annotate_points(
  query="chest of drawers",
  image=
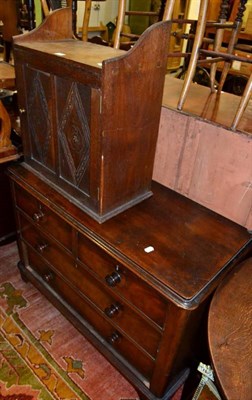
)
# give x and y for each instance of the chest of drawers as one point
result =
(137, 285)
(135, 277)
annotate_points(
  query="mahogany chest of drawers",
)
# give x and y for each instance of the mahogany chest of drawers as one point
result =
(136, 285)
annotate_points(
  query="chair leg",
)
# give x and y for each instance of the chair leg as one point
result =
(233, 41)
(45, 8)
(85, 23)
(227, 64)
(168, 11)
(218, 40)
(7, 50)
(195, 52)
(119, 23)
(243, 103)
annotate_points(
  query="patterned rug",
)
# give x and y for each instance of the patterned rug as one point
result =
(42, 356)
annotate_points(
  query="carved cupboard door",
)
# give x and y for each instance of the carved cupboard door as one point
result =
(40, 117)
(73, 124)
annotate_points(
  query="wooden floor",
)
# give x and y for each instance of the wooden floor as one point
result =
(200, 102)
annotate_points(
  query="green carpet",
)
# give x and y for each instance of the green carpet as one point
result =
(42, 356)
(26, 368)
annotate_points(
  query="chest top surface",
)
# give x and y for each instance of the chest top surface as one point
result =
(71, 50)
(171, 242)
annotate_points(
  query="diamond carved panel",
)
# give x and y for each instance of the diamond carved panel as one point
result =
(74, 137)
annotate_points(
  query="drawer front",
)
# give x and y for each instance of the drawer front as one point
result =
(110, 305)
(121, 280)
(44, 245)
(44, 217)
(113, 308)
(113, 337)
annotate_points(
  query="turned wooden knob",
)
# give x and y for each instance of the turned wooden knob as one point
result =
(113, 310)
(48, 277)
(114, 338)
(114, 278)
(38, 216)
(41, 247)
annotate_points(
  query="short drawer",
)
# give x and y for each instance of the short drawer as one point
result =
(121, 280)
(44, 217)
(116, 339)
(45, 245)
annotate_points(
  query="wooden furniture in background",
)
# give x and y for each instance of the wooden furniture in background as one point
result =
(198, 155)
(168, 10)
(52, 5)
(15, 15)
(9, 17)
(7, 76)
(45, 7)
(239, 71)
(7, 81)
(6, 148)
(229, 333)
(85, 28)
(124, 12)
(179, 14)
(149, 270)
(26, 14)
(96, 139)
(86, 18)
(213, 56)
(7, 153)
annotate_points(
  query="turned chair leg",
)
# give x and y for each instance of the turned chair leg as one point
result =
(243, 103)
(119, 23)
(86, 18)
(45, 7)
(168, 11)
(201, 26)
(232, 42)
(218, 40)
